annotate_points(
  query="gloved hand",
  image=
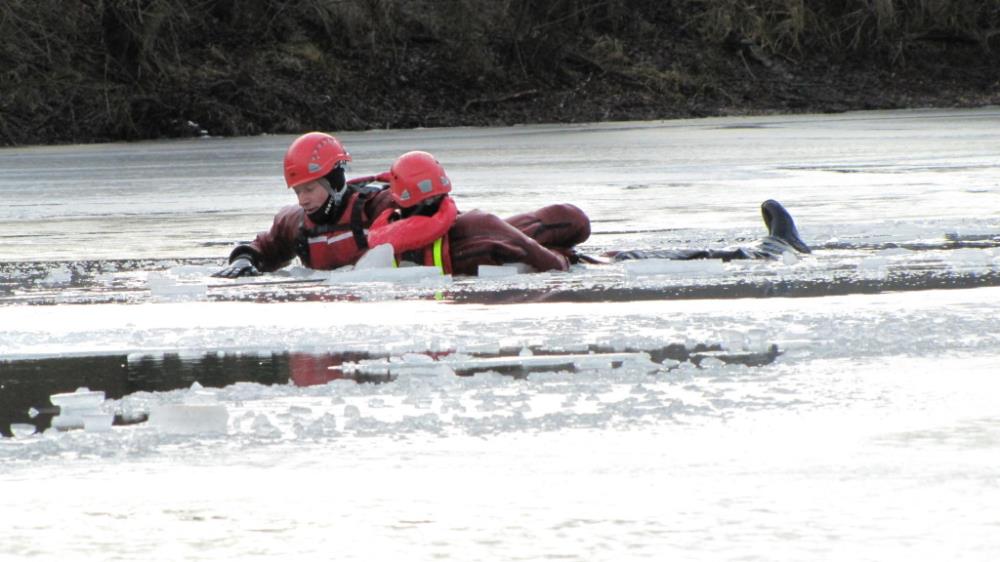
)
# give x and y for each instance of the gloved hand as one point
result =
(238, 268)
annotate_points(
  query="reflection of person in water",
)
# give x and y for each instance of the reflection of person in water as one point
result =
(310, 369)
(782, 236)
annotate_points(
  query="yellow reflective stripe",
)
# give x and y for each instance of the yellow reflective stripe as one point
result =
(438, 261)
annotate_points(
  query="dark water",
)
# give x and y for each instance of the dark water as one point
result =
(27, 384)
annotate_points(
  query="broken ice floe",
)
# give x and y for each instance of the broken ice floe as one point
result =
(57, 276)
(416, 274)
(378, 265)
(789, 258)
(81, 410)
(970, 259)
(508, 270)
(189, 419)
(200, 412)
(412, 364)
(753, 341)
(379, 257)
(166, 287)
(22, 430)
(876, 267)
(692, 268)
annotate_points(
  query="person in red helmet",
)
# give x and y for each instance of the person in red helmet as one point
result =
(418, 226)
(327, 228)
(427, 229)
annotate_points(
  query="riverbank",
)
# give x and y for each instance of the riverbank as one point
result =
(128, 71)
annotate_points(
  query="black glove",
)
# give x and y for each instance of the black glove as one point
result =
(241, 266)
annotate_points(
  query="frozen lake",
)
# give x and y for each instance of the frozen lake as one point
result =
(841, 406)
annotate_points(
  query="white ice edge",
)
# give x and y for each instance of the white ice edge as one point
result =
(495, 362)
(32, 331)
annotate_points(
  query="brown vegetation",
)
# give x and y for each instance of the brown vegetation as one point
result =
(132, 69)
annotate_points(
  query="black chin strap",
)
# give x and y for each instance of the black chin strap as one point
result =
(327, 222)
(335, 184)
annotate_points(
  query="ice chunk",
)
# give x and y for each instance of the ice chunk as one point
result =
(732, 340)
(393, 275)
(263, 427)
(82, 399)
(639, 362)
(189, 418)
(711, 363)
(62, 274)
(756, 341)
(192, 271)
(22, 430)
(198, 394)
(417, 358)
(431, 369)
(325, 424)
(299, 410)
(166, 287)
(873, 268)
(541, 361)
(592, 363)
(638, 268)
(507, 270)
(65, 422)
(379, 257)
(97, 422)
(304, 273)
(489, 348)
(969, 257)
(895, 252)
(73, 405)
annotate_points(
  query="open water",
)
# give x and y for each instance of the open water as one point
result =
(839, 406)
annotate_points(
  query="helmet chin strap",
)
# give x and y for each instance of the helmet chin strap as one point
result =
(334, 199)
(335, 183)
(335, 195)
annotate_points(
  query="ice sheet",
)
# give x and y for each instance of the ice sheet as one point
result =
(869, 432)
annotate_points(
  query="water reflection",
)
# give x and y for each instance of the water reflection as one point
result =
(25, 385)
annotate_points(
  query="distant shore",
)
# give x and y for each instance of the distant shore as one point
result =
(124, 71)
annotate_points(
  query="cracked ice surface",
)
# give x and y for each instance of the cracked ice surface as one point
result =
(872, 434)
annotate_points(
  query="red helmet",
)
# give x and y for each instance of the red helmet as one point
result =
(311, 157)
(415, 177)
